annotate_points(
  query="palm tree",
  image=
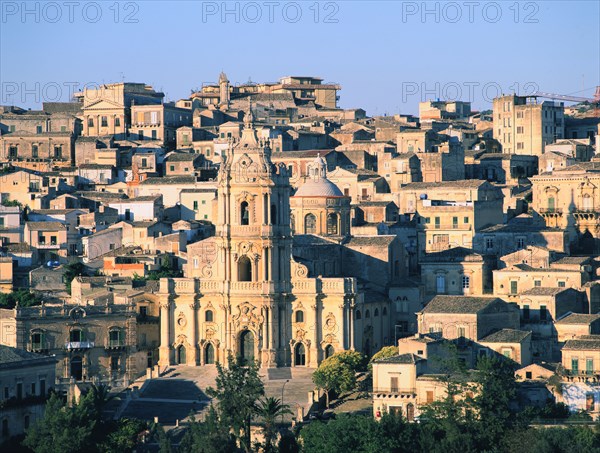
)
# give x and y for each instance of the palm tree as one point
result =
(100, 395)
(269, 409)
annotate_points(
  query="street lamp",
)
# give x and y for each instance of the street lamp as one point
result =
(282, 388)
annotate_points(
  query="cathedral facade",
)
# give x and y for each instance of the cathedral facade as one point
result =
(244, 293)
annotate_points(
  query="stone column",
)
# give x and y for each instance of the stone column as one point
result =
(351, 323)
(194, 333)
(165, 334)
(314, 350)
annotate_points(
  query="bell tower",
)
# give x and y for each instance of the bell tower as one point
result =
(223, 91)
(254, 238)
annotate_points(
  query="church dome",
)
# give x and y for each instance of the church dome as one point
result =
(321, 187)
(318, 185)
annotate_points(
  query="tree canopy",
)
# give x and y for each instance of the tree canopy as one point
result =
(23, 297)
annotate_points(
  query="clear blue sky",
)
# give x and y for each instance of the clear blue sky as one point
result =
(384, 54)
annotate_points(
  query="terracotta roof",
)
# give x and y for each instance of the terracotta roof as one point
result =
(506, 336)
(45, 226)
(459, 304)
(404, 358)
(9, 354)
(589, 342)
(578, 318)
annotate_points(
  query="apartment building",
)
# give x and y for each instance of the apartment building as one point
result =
(523, 125)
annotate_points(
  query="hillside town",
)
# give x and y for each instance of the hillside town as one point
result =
(146, 242)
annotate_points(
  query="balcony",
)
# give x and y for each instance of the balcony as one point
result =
(114, 344)
(74, 345)
(48, 245)
(41, 348)
(551, 212)
(395, 391)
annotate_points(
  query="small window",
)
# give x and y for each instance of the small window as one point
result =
(528, 375)
(562, 284)
(208, 316)
(538, 283)
(358, 315)
(367, 314)
(195, 205)
(543, 313)
(299, 316)
(514, 287)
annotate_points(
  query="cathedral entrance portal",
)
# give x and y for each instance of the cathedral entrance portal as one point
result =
(246, 347)
(209, 354)
(181, 355)
(299, 355)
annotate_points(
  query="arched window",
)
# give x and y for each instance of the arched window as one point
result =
(310, 224)
(384, 311)
(273, 214)
(367, 314)
(299, 316)
(244, 269)
(208, 316)
(244, 213)
(376, 312)
(332, 224)
(357, 315)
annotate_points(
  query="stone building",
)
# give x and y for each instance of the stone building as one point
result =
(99, 340)
(319, 206)
(107, 108)
(245, 293)
(469, 317)
(569, 198)
(25, 380)
(524, 126)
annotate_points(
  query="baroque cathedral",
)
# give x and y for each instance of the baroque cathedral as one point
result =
(244, 293)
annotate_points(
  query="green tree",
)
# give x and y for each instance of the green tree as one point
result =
(72, 270)
(123, 436)
(496, 389)
(162, 439)
(384, 353)
(208, 436)
(358, 433)
(269, 410)
(21, 296)
(334, 376)
(65, 429)
(237, 389)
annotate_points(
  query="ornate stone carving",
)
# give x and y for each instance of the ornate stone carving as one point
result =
(181, 320)
(246, 318)
(299, 270)
(330, 322)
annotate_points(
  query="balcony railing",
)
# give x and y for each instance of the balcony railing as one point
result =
(38, 347)
(71, 345)
(395, 391)
(114, 344)
(551, 211)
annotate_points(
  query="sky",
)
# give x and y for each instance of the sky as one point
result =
(387, 56)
